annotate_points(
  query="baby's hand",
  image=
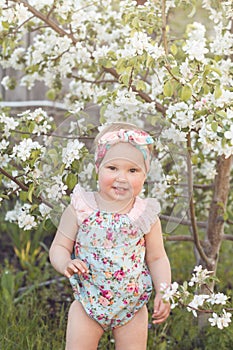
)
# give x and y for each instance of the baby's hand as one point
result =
(75, 266)
(161, 310)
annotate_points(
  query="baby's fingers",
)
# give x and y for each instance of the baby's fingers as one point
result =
(80, 266)
(162, 314)
(75, 266)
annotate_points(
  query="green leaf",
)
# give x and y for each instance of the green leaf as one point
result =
(206, 89)
(30, 192)
(140, 85)
(23, 196)
(125, 79)
(214, 126)
(31, 126)
(135, 22)
(217, 92)
(221, 114)
(168, 89)
(195, 159)
(51, 94)
(173, 49)
(71, 181)
(175, 71)
(150, 61)
(186, 93)
(5, 25)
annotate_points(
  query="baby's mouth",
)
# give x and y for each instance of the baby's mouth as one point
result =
(120, 189)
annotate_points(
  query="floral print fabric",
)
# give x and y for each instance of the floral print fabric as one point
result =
(113, 247)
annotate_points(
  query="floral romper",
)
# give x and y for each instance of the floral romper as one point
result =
(113, 247)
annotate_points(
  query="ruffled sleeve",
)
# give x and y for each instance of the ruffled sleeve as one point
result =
(145, 213)
(82, 203)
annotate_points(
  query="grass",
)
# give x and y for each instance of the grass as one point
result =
(32, 325)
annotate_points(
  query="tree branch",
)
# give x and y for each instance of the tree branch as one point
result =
(45, 19)
(186, 238)
(24, 187)
(12, 178)
(227, 237)
(191, 203)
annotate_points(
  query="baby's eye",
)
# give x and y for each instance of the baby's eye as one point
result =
(133, 170)
(111, 167)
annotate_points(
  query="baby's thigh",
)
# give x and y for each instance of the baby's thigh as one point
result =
(133, 335)
(82, 331)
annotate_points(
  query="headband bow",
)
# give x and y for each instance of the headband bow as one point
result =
(137, 138)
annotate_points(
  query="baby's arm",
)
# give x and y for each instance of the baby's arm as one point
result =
(62, 246)
(159, 266)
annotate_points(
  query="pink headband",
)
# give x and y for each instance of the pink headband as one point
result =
(137, 138)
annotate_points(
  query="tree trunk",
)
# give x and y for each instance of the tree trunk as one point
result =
(215, 228)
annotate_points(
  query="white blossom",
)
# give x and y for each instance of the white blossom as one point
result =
(4, 160)
(28, 80)
(198, 300)
(87, 172)
(172, 134)
(195, 46)
(26, 221)
(16, 57)
(222, 42)
(22, 14)
(208, 170)
(185, 71)
(39, 4)
(220, 321)
(139, 42)
(4, 144)
(44, 209)
(155, 51)
(199, 276)
(21, 215)
(169, 292)
(9, 124)
(156, 83)
(218, 298)
(6, 82)
(72, 152)
(127, 100)
(229, 134)
(12, 215)
(56, 188)
(56, 191)
(202, 103)
(24, 148)
(182, 114)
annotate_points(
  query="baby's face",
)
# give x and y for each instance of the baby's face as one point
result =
(122, 173)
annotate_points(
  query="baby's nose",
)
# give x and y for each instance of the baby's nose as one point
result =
(121, 177)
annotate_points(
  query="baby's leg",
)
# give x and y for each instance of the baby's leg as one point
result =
(133, 335)
(83, 333)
